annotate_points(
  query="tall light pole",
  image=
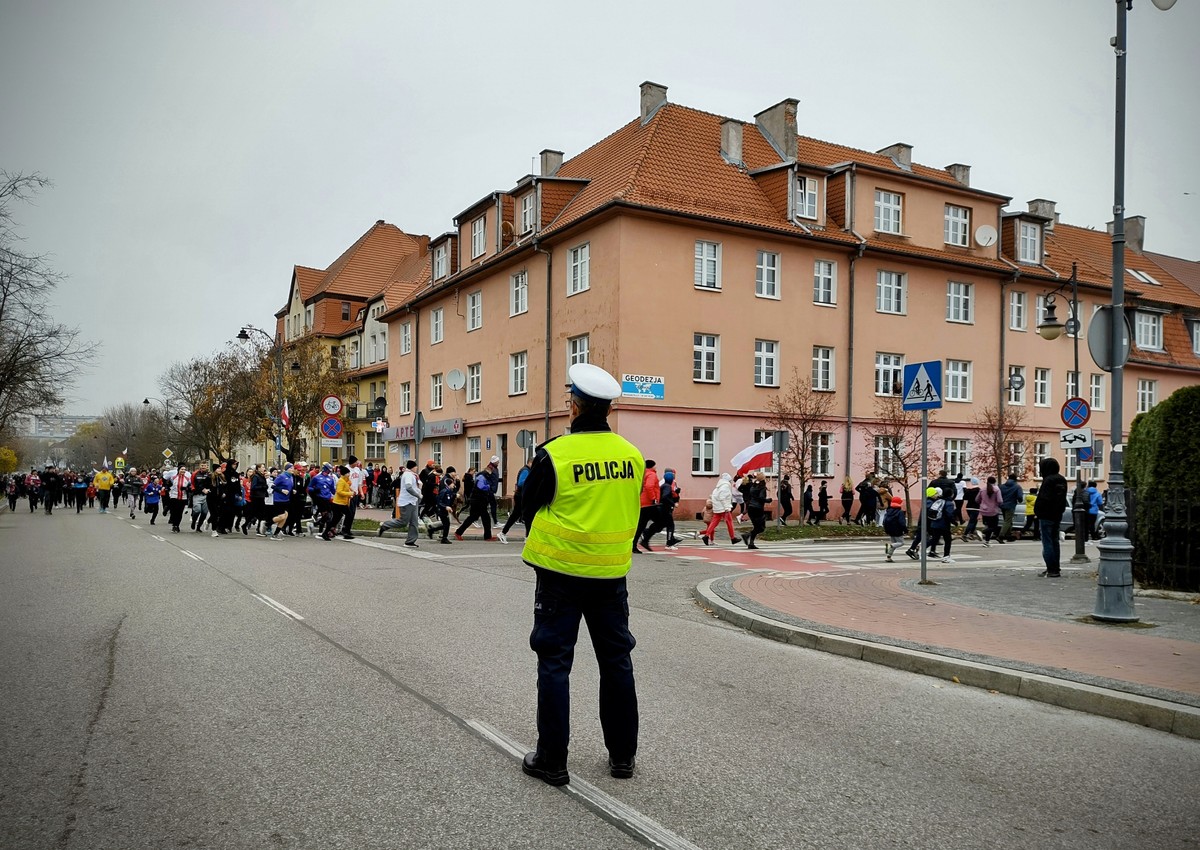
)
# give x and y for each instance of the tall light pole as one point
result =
(277, 350)
(1114, 590)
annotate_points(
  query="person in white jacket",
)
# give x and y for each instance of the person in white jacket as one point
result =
(722, 506)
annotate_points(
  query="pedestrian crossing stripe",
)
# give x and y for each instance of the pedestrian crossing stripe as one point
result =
(922, 389)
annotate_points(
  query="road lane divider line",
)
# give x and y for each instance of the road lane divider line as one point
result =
(278, 606)
(191, 555)
(159, 539)
(621, 815)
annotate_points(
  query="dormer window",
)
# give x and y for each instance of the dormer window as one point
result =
(889, 208)
(477, 241)
(806, 197)
(1029, 247)
(958, 225)
(527, 213)
(439, 262)
(345, 311)
(1143, 277)
(1195, 328)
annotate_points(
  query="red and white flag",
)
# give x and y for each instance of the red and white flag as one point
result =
(757, 456)
(284, 417)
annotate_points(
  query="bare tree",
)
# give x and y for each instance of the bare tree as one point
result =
(39, 358)
(1002, 443)
(803, 414)
(216, 399)
(894, 436)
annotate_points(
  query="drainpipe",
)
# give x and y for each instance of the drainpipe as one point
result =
(415, 404)
(854, 258)
(1004, 285)
(537, 246)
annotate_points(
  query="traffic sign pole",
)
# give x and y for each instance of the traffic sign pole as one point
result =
(924, 487)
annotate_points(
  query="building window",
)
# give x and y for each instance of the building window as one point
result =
(958, 225)
(405, 398)
(958, 380)
(579, 260)
(527, 213)
(1015, 457)
(374, 444)
(1096, 392)
(350, 444)
(1195, 337)
(822, 455)
(1148, 330)
(345, 311)
(888, 209)
(956, 457)
(577, 350)
(889, 292)
(1018, 319)
(475, 311)
(889, 373)
(474, 453)
(806, 197)
(759, 436)
(439, 262)
(518, 299)
(477, 240)
(372, 347)
(704, 451)
(381, 345)
(1030, 247)
(435, 391)
(708, 265)
(1016, 396)
(518, 365)
(1147, 395)
(1073, 385)
(435, 451)
(1041, 387)
(1070, 467)
(958, 302)
(887, 456)
(308, 317)
(766, 275)
(406, 338)
(474, 383)
(1041, 451)
(824, 282)
(706, 358)
(822, 368)
(435, 326)
(766, 363)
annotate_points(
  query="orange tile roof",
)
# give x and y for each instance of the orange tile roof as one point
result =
(409, 276)
(365, 267)
(827, 154)
(1186, 272)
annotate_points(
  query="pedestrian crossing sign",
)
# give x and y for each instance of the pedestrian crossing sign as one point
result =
(922, 385)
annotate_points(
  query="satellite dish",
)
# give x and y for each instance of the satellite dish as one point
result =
(455, 379)
(985, 236)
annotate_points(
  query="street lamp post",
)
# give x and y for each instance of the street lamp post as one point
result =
(277, 350)
(167, 417)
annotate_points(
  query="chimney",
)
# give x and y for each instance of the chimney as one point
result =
(961, 173)
(778, 125)
(901, 154)
(551, 162)
(731, 140)
(1135, 232)
(1042, 207)
(654, 95)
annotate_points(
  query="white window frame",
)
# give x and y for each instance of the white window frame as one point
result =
(478, 237)
(821, 454)
(891, 292)
(405, 398)
(707, 272)
(373, 444)
(439, 262)
(518, 373)
(474, 383)
(381, 345)
(824, 372)
(889, 211)
(958, 226)
(1074, 385)
(1029, 242)
(579, 350)
(1070, 464)
(705, 447)
(889, 371)
(706, 358)
(766, 275)
(766, 363)
(435, 391)
(437, 331)
(960, 302)
(957, 456)
(825, 283)
(406, 338)
(886, 456)
(527, 222)
(1096, 390)
(806, 197)
(475, 310)
(435, 451)
(579, 261)
(1043, 387)
(1148, 330)
(1195, 329)
(518, 293)
(1041, 451)
(308, 317)
(1015, 396)
(1147, 394)
(474, 453)
(1018, 311)
(773, 470)
(958, 380)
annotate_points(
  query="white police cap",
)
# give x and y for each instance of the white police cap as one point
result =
(591, 381)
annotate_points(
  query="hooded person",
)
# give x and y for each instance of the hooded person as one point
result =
(1049, 507)
(722, 507)
(895, 525)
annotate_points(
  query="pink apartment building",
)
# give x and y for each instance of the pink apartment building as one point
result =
(708, 258)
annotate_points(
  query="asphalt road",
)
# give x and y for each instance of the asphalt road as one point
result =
(153, 700)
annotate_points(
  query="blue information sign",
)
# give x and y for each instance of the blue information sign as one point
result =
(923, 385)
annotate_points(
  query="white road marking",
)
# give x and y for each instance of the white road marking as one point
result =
(131, 525)
(191, 555)
(281, 608)
(621, 815)
(159, 539)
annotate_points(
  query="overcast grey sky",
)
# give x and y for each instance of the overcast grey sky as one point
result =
(199, 150)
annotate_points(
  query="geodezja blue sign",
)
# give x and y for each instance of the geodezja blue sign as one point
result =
(643, 386)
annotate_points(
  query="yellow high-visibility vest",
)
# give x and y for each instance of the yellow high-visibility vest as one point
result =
(588, 529)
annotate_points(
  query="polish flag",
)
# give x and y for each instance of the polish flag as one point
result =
(757, 456)
(284, 417)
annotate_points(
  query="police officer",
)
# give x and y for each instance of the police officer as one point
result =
(581, 504)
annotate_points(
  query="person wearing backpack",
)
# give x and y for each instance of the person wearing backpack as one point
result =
(479, 504)
(895, 525)
(447, 493)
(941, 516)
(514, 512)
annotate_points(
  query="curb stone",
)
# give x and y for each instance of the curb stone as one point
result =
(1157, 714)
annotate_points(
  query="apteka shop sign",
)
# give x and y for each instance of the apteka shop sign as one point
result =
(643, 386)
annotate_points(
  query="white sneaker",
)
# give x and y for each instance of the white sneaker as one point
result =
(500, 536)
(672, 548)
(215, 534)
(948, 560)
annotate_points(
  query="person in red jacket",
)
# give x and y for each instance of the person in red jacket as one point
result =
(650, 496)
